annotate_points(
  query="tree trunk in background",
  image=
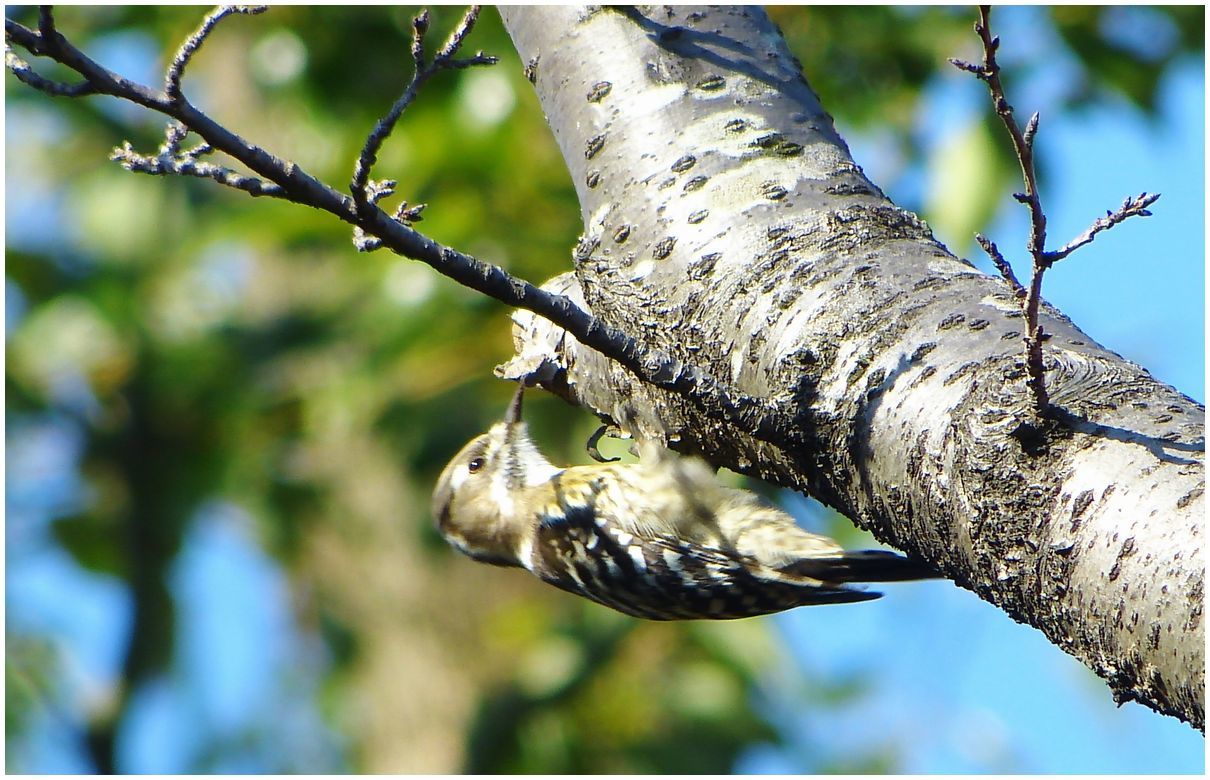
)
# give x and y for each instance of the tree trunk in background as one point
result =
(424, 652)
(725, 223)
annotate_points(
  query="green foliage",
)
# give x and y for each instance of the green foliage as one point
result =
(868, 64)
(606, 694)
(211, 347)
(967, 177)
(873, 65)
(30, 665)
(1126, 50)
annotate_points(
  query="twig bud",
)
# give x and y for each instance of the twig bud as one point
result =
(1031, 129)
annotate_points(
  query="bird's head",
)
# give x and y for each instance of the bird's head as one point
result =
(479, 503)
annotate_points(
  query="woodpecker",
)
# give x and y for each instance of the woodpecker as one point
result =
(660, 539)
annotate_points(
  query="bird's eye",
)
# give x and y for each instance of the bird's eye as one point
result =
(475, 464)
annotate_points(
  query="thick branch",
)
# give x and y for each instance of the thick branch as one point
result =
(750, 240)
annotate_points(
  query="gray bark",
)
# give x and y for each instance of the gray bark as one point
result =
(726, 224)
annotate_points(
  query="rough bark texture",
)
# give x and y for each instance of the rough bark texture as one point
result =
(726, 223)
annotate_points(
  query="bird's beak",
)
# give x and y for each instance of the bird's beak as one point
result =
(513, 415)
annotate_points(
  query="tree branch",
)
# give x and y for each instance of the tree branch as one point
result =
(176, 71)
(376, 228)
(172, 160)
(891, 362)
(27, 75)
(1131, 207)
(1023, 145)
(444, 60)
(1001, 264)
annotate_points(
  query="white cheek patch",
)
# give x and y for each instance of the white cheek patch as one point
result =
(502, 496)
(459, 476)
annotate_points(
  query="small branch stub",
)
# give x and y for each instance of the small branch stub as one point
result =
(172, 160)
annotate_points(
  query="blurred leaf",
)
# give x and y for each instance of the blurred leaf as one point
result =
(966, 178)
(67, 340)
(1128, 49)
(31, 666)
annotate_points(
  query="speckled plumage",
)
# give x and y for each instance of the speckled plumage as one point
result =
(659, 539)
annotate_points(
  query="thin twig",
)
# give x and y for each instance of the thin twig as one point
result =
(1131, 207)
(27, 75)
(186, 164)
(171, 160)
(444, 60)
(753, 415)
(1023, 145)
(46, 22)
(1001, 264)
(453, 44)
(172, 80)
(1022, 142)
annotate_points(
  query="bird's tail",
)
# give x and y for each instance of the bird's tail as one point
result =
(863, 566)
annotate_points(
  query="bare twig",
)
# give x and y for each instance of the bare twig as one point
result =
(46, 22)
(171, 160)
(1131, 207)
(989, 72)
(172, 80)
(453, 43)
(1001, 264)
(1023, 144)
(753, 415)
(444, 60)
(187, 165)
(27, 75)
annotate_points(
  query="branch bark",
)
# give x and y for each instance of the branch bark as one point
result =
(726, 224)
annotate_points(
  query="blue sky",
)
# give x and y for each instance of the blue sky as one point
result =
(959, 687)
